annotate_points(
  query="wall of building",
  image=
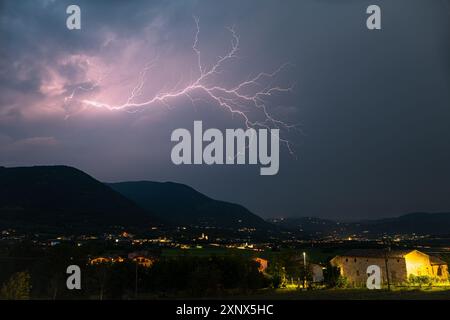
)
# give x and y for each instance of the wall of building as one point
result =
(317, 272)
(419, 264)
(440, 272)
(355, 269)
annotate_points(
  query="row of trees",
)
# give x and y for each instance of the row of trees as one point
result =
(172, 277)
(30, 271)
(44, 276)
(289, 268)
(18, 287)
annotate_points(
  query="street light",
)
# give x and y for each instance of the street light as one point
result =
(304, 270)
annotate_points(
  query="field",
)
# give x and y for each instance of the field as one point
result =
(316, 255)
(352, 294)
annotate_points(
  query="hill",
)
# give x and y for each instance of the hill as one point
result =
(63, 198)
(420, 223)
(436, 224)
(182, 205)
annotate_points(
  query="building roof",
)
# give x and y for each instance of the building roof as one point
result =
(436, 260)
(381, 253)
(376, 253)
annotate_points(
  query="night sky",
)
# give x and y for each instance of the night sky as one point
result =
(371, 108)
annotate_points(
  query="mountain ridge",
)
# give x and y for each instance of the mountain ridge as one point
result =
(63, 197)
(191, 207)
(437, 223)
(42, 197)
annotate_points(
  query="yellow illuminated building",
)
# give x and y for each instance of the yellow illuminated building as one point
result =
(99, 260)
(106, 259)
(143, 261)
(262, 264)
(401, 265)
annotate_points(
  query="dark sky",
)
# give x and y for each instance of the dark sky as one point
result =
(372, 108)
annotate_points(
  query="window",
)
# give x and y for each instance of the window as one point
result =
(439, 271)
(354, 260)
(346, 260)
(357, 273)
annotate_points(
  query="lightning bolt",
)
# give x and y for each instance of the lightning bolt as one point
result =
(233, 99)
(89, 85)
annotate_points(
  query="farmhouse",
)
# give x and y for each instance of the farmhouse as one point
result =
(106, 259)
(262, 264)
(142, 258)
(316, 272)
(401, 264)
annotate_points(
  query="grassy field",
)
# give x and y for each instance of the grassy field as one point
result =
(316, 255)
(206, 252)
(352, 294)
(323, 294)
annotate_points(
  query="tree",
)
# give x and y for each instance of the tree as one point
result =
(17, 287)
(342, 282)
(277, 273)
(331, 275)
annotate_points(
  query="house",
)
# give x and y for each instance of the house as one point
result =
(401, 264)
(106, 259)
(142, 258)
(143, 261)
(262, 264)
(316, 272)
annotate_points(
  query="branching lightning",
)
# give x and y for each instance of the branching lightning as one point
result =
(235, 99)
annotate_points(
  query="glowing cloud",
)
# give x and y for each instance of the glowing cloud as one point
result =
(239, 99)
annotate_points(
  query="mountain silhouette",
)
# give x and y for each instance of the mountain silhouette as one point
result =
(420, 223)
(182, 205)
(63, 197)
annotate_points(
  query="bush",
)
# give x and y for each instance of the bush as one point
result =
(277, 274)
(342, 282)
(204, 276)
(420, 280)
(17, 287)
(331, 276)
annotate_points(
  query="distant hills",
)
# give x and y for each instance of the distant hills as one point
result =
(61, 198)
(65, 198)
(182, 205)
(310, 226)
(418, 223)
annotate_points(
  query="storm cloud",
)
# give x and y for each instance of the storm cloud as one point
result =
(371, 108)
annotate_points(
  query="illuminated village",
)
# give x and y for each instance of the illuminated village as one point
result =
(286, 264)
